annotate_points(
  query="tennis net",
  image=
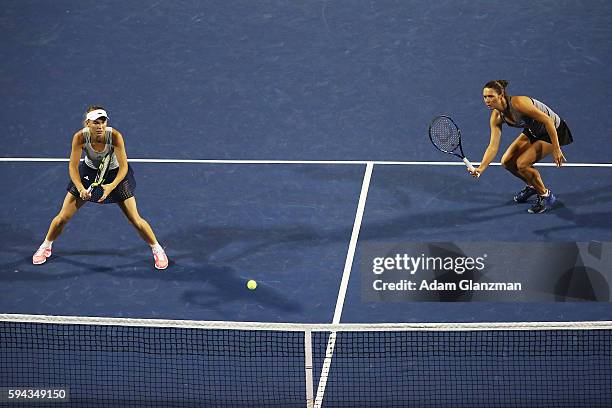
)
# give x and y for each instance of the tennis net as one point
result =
(174, 363)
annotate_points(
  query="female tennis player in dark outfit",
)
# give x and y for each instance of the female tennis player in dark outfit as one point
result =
(97, 140)
(544, 132)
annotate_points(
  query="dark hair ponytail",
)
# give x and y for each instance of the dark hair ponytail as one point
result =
(499, 85)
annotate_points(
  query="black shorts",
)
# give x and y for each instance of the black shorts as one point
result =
(123, 191)
(564, 133)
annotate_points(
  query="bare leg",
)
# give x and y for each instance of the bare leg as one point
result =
(70, 206)
(536, 152)
(130, 210)
(512, 154)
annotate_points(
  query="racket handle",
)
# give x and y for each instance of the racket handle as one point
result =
(470, 167)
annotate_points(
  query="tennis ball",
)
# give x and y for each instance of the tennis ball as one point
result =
(252, 284)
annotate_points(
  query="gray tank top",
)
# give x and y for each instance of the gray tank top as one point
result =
(94, 157)
(523, 121)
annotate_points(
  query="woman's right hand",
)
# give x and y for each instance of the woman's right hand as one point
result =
(84, 194)
(476, 172)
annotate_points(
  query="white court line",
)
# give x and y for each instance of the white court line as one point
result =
(361, 162)
(348, 264)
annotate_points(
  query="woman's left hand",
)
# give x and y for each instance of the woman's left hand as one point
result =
(558, 157)
(107, 190)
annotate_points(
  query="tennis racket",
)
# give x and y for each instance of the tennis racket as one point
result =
(446, 137)
(101, 174)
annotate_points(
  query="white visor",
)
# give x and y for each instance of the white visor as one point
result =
(96, 114)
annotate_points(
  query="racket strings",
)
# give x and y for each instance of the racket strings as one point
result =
(445, 135)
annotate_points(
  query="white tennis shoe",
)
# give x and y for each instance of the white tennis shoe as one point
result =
(161, 260)
(41, 255)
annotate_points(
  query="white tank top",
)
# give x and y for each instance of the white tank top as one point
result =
(94, 157)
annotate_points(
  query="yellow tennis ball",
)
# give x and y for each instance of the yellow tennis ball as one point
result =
(252, 284)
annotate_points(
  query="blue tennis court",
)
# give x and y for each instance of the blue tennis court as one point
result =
(281, 141)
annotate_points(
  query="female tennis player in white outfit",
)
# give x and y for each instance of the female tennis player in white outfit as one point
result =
(97, 140)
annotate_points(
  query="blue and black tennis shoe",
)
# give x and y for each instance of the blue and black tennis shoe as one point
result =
(543, 203)
(523, 195)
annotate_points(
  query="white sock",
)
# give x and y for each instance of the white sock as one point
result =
(46, 244)
(156, 247)
(547, 193)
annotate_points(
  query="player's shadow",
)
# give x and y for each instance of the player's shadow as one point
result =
(69, 264)
(205, 285)
(208, 282)
(597, 220)
(446, 224)
(427, 200)
(202, 243)
(407, 185)
(224, 285)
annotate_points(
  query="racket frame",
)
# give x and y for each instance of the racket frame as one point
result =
(459, 154)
